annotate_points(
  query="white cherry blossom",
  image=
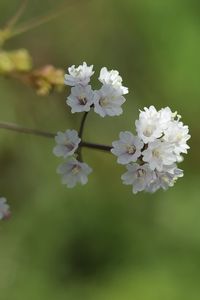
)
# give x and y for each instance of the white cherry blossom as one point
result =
(81, 98)
(140, 176)
(112, 78)
(67, 143)
(177, 134)
(148, 126)
(79, 76)
(164, 179)
(127, 148)
(108, 101)
(159, 154)
(74, 171)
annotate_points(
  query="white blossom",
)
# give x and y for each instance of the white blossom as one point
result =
(177, 135)
(81, 98)
(67, 143)
(148, 126)
(4, 209)
(112, 78)
(165, 138)
(108, 101)
(127, 148)
(79, 76)
(164, 179)
(73, 172)
(140, 176)
(159, 154)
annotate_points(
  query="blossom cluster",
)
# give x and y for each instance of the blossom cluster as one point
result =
(72, 170)
(4, 209)
(107, 101)
(152, 155)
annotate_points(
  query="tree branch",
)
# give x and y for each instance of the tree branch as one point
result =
(20, 129)
(96, 146)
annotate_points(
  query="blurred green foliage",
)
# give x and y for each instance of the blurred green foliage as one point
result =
(100, 241)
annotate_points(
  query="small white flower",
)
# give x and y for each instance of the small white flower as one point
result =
(127, 148)
(177, 135)
(73, 172)
(112, 78)
(81, 98)
(108, 101)
(137, 175)
(79, 76)
(4, 209)
(159, 154)
(148, 126)
(166, 117)
(67, 143)
(164, 179)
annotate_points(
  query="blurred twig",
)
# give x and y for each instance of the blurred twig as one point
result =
(40, 20)
(20, 129)
(13, 20)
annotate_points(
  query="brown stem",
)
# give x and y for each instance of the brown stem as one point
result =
(80, 134)
(20, 129)
(96, 146)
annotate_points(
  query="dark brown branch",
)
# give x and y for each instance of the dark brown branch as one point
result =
(96, 146)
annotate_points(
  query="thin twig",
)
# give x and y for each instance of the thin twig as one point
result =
(80, 134)
(39, 20)
(96, 146)
(20, 129)
(13, 20)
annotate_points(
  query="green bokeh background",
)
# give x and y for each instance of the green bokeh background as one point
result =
(100, 241)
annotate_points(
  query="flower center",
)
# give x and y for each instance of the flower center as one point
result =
(82, 100)
(141, 173)
(179, 137)
(104, 101)
(156, 153)
(165, 179)
(69, 146)
(77, 72)
(130, 149)
(148, 131)
(76, 169)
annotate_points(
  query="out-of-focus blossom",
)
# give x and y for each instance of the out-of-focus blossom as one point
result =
(4, 209)
(15, 61)
(47, 79)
